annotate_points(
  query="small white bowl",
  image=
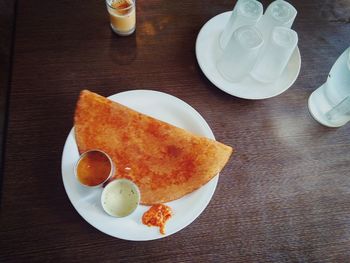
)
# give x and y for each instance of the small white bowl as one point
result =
(120, 198)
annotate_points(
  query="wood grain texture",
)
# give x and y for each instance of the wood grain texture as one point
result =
(284, 197)
(7, 27)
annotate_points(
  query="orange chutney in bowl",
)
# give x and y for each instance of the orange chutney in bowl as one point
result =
(93, 168)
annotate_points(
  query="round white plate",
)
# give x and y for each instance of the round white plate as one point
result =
(208, 51)
(185, 210)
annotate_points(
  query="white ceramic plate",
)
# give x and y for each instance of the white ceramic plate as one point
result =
(185, 210)
(208, 51)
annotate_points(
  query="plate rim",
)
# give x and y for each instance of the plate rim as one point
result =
(214, 180)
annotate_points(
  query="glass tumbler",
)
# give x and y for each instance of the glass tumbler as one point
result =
(279, 49)
(278, 13)
(240, 54)
(122, 14)
(245, 12)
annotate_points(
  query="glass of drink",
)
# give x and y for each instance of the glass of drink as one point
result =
(122, 14)
(330, 103)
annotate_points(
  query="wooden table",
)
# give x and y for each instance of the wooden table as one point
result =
(283, 197)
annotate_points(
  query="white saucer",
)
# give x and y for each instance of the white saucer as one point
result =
(185, 210)
(208, 51)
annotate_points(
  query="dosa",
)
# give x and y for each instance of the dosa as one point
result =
(166, 162)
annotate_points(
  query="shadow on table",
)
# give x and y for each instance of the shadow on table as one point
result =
(123, 51)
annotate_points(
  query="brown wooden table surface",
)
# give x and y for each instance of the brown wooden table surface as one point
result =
(283, 197)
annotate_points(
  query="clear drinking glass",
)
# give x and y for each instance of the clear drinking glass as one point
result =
(122, 14)
(278, 51)
(330, 103)
(278, 13)
(245, 12)
(240, 54)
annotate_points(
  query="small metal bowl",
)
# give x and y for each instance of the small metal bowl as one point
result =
(86, 154)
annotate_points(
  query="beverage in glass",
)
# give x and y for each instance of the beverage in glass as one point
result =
(122, 14)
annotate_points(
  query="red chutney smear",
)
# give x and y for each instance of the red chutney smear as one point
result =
(157, 215)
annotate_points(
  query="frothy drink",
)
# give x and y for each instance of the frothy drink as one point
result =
(122, 16)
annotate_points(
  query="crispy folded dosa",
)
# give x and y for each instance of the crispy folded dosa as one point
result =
(166, 162)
